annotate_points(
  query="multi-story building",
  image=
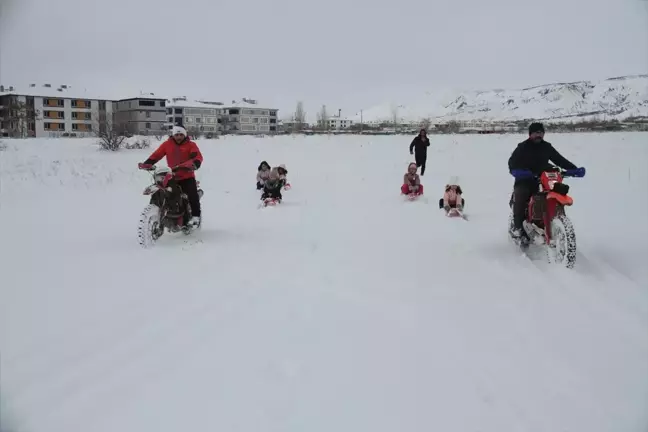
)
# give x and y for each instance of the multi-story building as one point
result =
(45, 111)
(143, 115)
(339, 123)
(198, 117)
(247, 117)
(244, 117)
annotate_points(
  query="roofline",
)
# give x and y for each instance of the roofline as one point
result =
(138, 98)
(13, 93)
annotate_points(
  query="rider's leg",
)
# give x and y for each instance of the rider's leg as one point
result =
(522, 193)
(190, 188)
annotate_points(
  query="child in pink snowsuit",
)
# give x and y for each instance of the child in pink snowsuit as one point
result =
(412, 181)
(452, 198)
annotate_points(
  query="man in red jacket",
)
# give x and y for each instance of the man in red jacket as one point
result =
(181, 152)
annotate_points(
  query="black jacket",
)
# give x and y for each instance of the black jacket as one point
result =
(535, 156)
(419, 146)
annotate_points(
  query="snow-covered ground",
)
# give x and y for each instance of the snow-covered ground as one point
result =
(344, 308)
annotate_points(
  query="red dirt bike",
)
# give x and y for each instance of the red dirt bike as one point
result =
(546, 222)
(168, 207)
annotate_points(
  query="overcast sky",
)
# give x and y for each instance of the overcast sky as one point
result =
(347, 54)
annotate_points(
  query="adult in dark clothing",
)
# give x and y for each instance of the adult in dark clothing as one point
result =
(533, 155)
(418, 148)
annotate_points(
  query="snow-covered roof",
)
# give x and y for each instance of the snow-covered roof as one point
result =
(181, 103)
(185, 102)
(56, 91)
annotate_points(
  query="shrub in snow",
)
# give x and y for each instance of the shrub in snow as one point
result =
(111, 141)
(139, 143)
(3, 146)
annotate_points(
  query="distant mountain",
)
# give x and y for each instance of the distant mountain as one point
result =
(613, 98)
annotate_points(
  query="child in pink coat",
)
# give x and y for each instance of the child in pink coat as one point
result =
(412, 181)
(452, 197)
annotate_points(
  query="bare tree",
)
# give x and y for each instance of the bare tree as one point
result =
(394, 115)
(426, 123)
(194, 132)
(20, 116)
(322, 118)
(109, 133)
(300, 117)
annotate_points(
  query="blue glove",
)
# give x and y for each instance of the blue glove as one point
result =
(520, 174)
(578, 172)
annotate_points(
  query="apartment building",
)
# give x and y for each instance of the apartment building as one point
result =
(143, 115)
(50, 112)
(242, 117)
(198, 117)
(46, 111)
(248, 117)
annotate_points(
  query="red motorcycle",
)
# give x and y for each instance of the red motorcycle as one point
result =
(546, 222)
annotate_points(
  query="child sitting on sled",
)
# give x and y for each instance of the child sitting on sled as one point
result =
(283, 172)
(263, 172)
(412, 181)
(272, 186)
(452, 197)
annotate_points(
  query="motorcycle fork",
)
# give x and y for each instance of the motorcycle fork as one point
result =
(550, 212)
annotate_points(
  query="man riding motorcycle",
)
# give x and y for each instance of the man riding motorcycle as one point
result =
(181, 153)
(530, 159)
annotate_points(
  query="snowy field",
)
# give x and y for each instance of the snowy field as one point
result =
(342, 309)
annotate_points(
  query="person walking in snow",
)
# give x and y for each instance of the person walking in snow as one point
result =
(418, 148)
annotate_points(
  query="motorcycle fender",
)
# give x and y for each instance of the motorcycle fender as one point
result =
(150, 190)
(562, 199)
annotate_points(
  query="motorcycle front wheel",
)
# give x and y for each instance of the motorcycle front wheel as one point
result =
(562, 249)
(149, 229)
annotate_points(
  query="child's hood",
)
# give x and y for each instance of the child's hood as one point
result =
(262, 164)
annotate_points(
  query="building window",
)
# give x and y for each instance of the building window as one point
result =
(255, 120)
(147, 125)
(264, 120)
(162, 103)
(54, 126)
(81, 127)
(148, 114)
(198, 119)
(169, 111)
(80, 103)
(53, 102)
(273, 113)
(54, 114)
(178, 110)
(146, 103)
(245, 119)
(188, 119)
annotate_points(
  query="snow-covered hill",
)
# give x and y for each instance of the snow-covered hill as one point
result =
(342, 309)
(613, 98)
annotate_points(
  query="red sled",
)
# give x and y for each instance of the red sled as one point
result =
(271, 202)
